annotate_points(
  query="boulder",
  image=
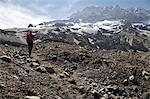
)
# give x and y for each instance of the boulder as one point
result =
(6, 45)
(66, 74)
(146, 75)
(58, 97)
(72, 81)
(112, 87)
(2, 86)
(5, 58)
(29, 60)
(125, 82)
(34, 64)
(94, 84)
(50, 70)
(131, 78)
(61, 76)
(52, 57)
(81, 89)
(95, 94)
(41, 69)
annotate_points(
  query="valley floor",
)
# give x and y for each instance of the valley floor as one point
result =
(64, 71)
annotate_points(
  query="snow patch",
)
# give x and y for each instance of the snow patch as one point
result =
(76, 41)
(91, 41)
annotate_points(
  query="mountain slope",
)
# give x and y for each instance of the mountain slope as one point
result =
(66, 71)
(94, 14)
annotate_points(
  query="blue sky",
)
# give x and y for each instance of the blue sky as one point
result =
(19, 13)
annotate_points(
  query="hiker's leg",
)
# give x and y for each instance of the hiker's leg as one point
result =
(29, 53)
(30, 49)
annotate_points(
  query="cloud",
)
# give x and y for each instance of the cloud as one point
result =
(19, 13)
(17, 16)
(70, 4)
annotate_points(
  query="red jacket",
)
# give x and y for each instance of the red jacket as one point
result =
(29, 38)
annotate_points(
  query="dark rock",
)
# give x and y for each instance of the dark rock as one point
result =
(29, 60)
(112, 88)
(30, 25)
(66, 74)
(95, 94)
(94, 84)
(52, 57)
(74, 67)
(72, 81)
(125, 82)
(27, 71)
(61, 76)
(81, 89)
(50, 70)
(2, 86)
(6, 58)
(119, 91)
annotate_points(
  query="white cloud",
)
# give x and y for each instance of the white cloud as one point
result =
(70, 4)
(16, 16)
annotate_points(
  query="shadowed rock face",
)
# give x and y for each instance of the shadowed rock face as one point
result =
(10, 37)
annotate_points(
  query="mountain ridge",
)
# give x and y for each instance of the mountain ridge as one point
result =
(97, 13)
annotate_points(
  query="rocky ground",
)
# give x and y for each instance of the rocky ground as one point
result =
(60, 70)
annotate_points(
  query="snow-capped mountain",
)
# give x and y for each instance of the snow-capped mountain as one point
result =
(107, 34)
(106, 26)
(94, 14)
(142, 28)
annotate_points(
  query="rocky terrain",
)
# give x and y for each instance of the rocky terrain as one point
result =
(108, 59)
(60, 69)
